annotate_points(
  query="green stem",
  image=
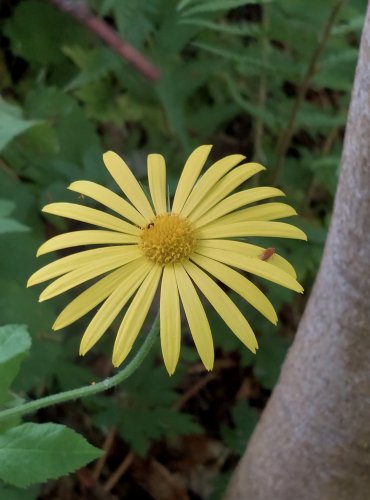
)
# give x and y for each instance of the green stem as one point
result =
(88, 390)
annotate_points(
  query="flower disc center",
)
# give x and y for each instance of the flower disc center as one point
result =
(167, 238)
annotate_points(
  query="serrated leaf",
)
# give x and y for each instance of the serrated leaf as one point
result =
(220, 5)
(106, 6)
(11, 226)
(7, 224)
(352, 25)
(140, 426)
(74, 130)
(94, 64)
(10, 493)
(11, 401)
(11, 123)
(251, 107)
(15, 342)
(134, 19)
(241, 29)
(270, 357)
(312, 117)
(53, 30)
(6, 207)
(219, 485)
(34, 453)
(244, 419)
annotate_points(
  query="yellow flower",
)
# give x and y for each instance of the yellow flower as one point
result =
(179, 251)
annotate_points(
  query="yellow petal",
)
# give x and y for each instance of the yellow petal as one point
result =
(93, 295)
(135, 316)
(209, 179)
(224, 306)
(128, 183)
(170, 323)
(113, 305)
(196, 317)
(157, 182)
(85, 237)
(239, 284)
(189, 175)
(109, 199)
(90, 216)
(71, 262)
(248, 250)
(88, 272)
(265, 212)
(237, 200)
(224, 187)
(254, 266)
(251, 228)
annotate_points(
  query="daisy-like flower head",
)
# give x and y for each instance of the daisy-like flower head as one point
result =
(148, 247)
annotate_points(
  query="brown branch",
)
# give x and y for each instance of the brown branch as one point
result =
(80, 11)
(108, 442)
(286, 136)
(119, 472)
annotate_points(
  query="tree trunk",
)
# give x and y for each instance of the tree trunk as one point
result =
(313, 439)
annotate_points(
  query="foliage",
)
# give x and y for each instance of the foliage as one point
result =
(32, 453)
(144, 412)
(231, 71)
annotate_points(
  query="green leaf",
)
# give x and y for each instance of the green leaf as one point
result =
(327, 171)
(255, 110)
(10, 493)
(53, 30)
(6, 207)
(11, 226)
(312, 117)
(269, 358)
(94, 64)
(134, 19)
(11, 401)
(12, 123)
(244, 419)
(241, 29)
(33, 453)
(74, 130)
(15, 342)
(354, 24)
(219, 485)
(106, 6)
(139, 426)
(220, 5)
(18, 303)
(8, 225)
(144, 413)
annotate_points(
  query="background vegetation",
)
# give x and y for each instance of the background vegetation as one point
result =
(267, 79)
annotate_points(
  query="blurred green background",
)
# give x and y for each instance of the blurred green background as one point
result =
(268, 79)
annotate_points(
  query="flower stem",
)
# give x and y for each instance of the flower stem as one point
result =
(88, 390)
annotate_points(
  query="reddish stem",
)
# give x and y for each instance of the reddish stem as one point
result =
(81, 12)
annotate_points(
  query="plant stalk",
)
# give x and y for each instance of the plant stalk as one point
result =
(89, 390)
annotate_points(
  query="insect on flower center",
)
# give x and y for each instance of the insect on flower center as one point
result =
(167, 238)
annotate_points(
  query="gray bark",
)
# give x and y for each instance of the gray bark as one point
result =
(313, 439)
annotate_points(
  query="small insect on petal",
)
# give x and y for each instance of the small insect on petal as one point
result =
(268, 253)
(147, 246)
